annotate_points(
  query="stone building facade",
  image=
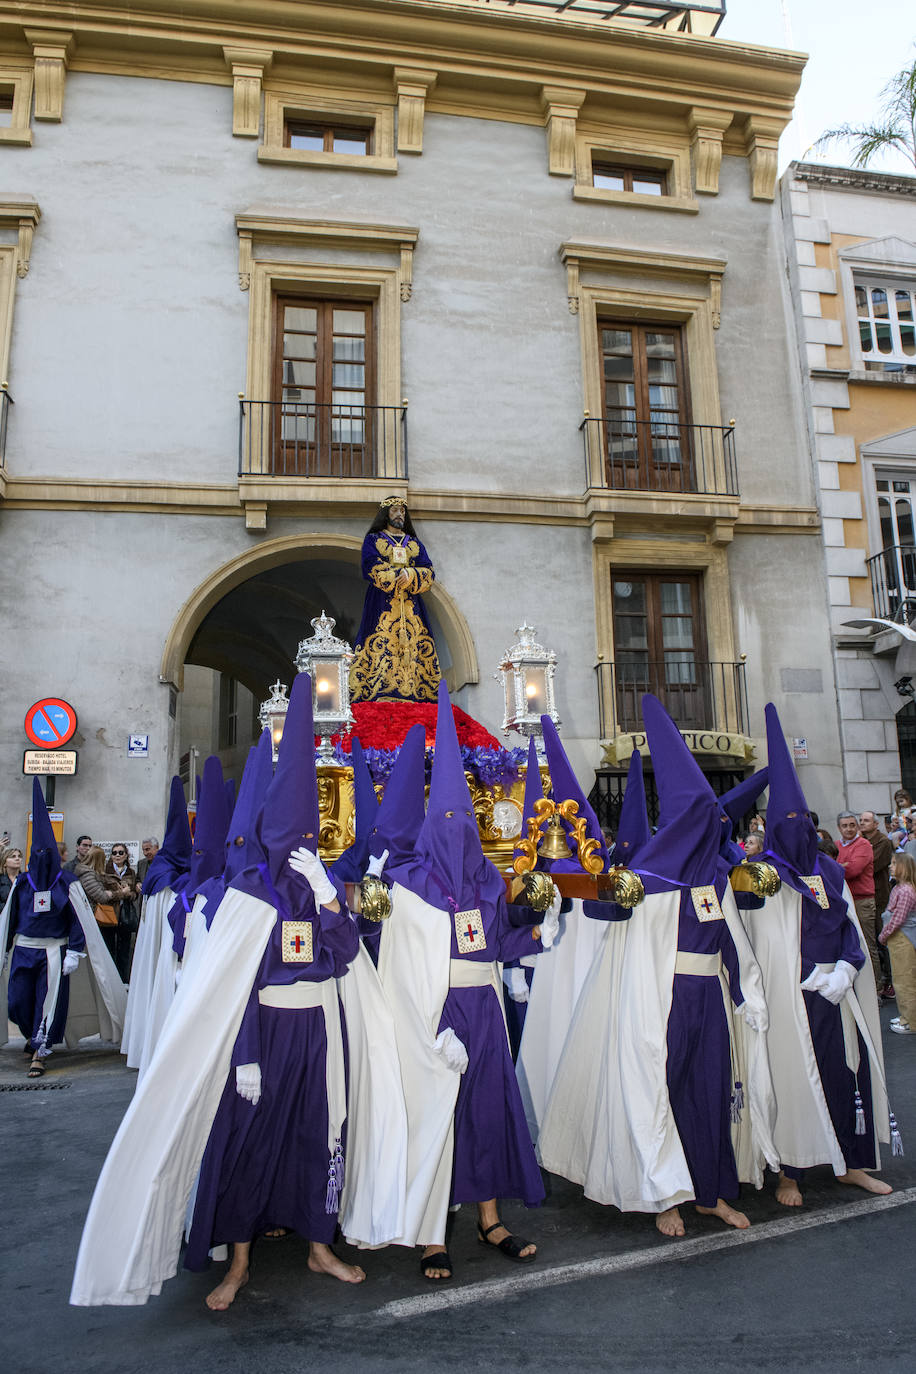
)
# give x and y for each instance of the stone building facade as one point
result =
(851, 239)
(251, 250)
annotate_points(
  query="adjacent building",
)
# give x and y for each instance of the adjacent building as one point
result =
(851, 239)
(263, 265)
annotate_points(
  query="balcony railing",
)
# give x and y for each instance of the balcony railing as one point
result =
(6, 401)
(698, 695)
(684, 16)
(302, 439)
(893, 583)
(663, 456)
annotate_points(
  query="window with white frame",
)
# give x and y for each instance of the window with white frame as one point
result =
(886, 313)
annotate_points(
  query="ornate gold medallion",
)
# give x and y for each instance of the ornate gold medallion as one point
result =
(469, 931)
(815, 885)
(706, 904)
(297, 942)
(399, 555)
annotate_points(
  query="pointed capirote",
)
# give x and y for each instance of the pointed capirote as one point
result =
(351, 866)
(400, 815)
(565, 788)
(534, 790)
(173, 860)
(685, 846)
(738, 800)
(208, 854)
(790, 832)
(633, 830)
(289, 818)
(242, 848)
(44, 856)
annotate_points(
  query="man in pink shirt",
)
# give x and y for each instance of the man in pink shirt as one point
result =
(857, 858)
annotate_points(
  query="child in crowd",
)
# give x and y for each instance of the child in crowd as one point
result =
(899, 935)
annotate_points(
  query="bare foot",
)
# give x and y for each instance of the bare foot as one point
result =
(670, 1222)
(436, 1273)
(223, 1295)
(788, 1192)
(726, 1214)
(275, 1233)
(860, 1179)
(322, 1260)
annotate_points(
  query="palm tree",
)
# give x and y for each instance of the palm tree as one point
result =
(896, 131)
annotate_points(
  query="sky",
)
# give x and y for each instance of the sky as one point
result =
(854, 47)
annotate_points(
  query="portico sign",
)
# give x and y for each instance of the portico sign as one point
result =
(719, 743)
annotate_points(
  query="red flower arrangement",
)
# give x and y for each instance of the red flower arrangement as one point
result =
(384, 725)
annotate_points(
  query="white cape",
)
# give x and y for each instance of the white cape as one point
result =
(98, 998)
(413, 968)
(132, 1236)
(143, 973)
(162, 994)
(803, 1133)
(559, 976)
(609, 1124)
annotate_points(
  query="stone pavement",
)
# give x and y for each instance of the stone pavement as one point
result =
(829, 1288)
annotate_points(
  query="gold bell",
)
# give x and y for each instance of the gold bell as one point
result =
(554, 846)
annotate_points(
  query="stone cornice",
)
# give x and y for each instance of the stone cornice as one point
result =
(529, 508)
(185, 39)
(890, 183)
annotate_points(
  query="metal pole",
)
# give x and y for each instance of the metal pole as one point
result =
(49, 790)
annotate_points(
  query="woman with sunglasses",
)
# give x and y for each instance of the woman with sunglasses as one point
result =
(123, 900)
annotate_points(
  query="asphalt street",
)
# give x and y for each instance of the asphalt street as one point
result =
(826, 1288)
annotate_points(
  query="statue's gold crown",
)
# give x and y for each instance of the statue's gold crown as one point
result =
(393, 501)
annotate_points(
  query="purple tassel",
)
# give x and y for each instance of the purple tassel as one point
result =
(896, 1138)
(860, 1115)
(737, 1103)
(335, 1180)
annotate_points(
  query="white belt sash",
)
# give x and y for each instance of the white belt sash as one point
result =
(470, 973)
(699, 965)
(52, 945)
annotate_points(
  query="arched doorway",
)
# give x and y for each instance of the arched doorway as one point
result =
(239, 630)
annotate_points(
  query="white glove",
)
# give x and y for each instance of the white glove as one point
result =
(376, 864)
(840, 981)
(516, 983)
(550, 925)
(315, 874)
(755, 1018)
(452, 1050)
(71, 962)
(816, 981)
(248, 1082)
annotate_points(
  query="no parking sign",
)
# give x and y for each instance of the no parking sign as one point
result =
(50, 723)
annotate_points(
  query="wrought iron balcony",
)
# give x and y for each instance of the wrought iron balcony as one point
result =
(893, 583)
(661, 456)
(698, 695)
(6, 401)
(690, 16)
(302, 439)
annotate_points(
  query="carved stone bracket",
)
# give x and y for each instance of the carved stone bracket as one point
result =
(244, 259)
(715, 300)
(52, 51)
(572, 285)
(707, 128)
(412, 88)
(406, 271)
(248, 66)
(24, 216)
(561, 110)
(761, 141)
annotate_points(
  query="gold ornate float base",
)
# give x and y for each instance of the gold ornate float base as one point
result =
(498, 810)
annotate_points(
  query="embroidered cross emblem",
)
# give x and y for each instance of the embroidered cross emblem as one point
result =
(815, 885)
(469, 932)
(706, 903)
(296, 939)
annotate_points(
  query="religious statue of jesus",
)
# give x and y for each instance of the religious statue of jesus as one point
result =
(395, 656)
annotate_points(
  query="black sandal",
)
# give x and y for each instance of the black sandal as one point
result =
(36, 1069)
(511, 1246)
(440, 1260)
